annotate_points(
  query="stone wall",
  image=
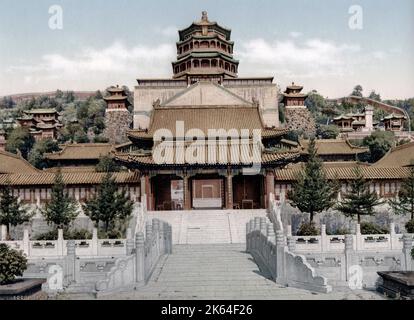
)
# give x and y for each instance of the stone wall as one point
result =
(351, 260)
(96, 266)
(271, 253)
(117, 123)
(335, 220)
(300, 119)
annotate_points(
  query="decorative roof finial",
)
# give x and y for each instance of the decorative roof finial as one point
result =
(204, 16)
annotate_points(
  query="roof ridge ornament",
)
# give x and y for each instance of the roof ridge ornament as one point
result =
(204, 16)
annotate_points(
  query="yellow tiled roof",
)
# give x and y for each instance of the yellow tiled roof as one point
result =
(221, 154)
(12, 163)
(347, 173)
(69, 178)
(333, 146)
(205, 118)
(400, 156)
(81, 151)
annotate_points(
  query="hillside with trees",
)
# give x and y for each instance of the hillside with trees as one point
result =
(82, 116)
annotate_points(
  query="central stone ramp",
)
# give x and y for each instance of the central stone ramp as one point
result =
(208, 226)
(218, 272)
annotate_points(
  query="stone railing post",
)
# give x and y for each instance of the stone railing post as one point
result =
(95, 241)
(324, 238)
(263, 227)
(349, 254)
(169, 239)
(26, 242)
(359, 239)
(156, 235)
(271, 236)
(129, 242)
(291, 243)
(162, 237)
(393, 238)
(139, 258)
(148, 239)
(257, 223)
(289, 230)
(70, 262)
(60, 243)
(280, 258)
(3, 232)
(407, 247)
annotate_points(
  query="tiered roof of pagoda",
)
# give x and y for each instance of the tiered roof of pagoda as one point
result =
(204, 50)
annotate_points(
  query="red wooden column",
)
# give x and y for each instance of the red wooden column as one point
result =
(187, 195)
(229, 191)
(270, 186)
(146, 190)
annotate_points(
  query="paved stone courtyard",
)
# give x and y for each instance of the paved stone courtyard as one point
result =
(219, 271)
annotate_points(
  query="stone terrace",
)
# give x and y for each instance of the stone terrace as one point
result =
(219, 272)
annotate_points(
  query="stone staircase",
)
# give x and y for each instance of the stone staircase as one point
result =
(208, 226)
(218, 272)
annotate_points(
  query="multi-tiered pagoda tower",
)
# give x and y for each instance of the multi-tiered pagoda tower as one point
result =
(204, 50)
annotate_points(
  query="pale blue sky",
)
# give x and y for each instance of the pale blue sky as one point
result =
(109, 42)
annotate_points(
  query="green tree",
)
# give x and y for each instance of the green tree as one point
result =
(107, 164)
(36, 155)
(374, 96)
(21, 140)
(109, 204)
(360, 200)
(12, 264)
(315, 102)
(357, 91)
(11, 212)
(61, 210)
(312, 192)
(404, 203)
(327, 132)
(379, 142)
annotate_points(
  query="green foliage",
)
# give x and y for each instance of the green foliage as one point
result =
(339, 231)
(108, 205)
(7, 103)
(327, 132)
(36, 155)
(374, 96)
(312, 192)
(359, 201)
(282, 117)
(107, 164)
(357, 91)
(409, 226)
(370, 228)
(307, 229)
(12, 264)
(110, 234)
(404, 203)
(61, 210)
(100, 139)
(21, 140)
(379, 142)
(11, 212)
(403, 141)
(315, 101)
(77, 234)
